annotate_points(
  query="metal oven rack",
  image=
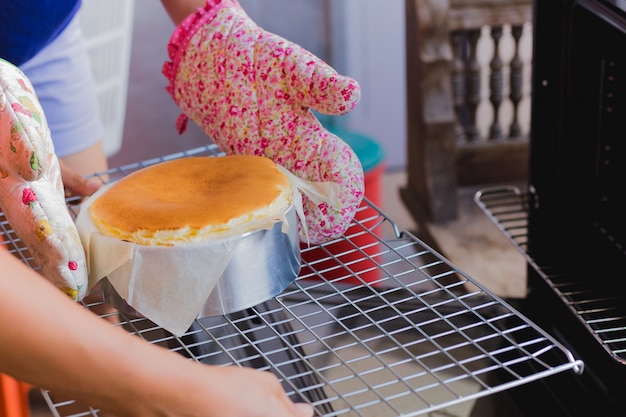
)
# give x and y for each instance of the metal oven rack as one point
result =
(598, 307)
(417, 337)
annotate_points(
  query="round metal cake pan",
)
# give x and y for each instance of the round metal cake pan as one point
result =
(263, 264)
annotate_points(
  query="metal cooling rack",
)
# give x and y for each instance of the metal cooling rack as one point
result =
(377, 324)
(599, 307)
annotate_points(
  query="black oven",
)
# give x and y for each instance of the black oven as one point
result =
(576, 203)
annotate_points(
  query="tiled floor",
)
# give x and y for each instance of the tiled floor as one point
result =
(471, 242)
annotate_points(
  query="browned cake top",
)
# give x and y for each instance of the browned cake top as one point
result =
(193, 192)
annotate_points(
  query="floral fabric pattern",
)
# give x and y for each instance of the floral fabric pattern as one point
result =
(31, 190)
(252, 92)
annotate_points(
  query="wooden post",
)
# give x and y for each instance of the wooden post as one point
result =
(430, 194)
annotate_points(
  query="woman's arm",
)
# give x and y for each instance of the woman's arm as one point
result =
(51, 342)
(180, 9)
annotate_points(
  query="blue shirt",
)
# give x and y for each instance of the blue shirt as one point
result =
(27, 26)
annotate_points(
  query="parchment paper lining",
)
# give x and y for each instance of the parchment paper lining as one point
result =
(169, 285)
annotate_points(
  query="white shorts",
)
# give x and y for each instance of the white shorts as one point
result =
(62, 78)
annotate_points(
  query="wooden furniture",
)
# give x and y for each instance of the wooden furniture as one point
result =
(446, 149)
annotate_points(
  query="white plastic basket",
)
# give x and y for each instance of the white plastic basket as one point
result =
(108, 28)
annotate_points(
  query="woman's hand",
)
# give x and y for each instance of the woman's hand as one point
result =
(257, 394)
(75, 184)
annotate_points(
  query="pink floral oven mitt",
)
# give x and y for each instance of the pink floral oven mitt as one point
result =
(252, 91)
(31, 190)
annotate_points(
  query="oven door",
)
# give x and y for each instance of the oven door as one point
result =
(578, 139)
(576, 232)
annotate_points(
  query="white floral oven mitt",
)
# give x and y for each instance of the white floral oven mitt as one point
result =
(31, 190)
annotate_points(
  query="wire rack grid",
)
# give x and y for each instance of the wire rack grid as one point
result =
(373, 326)
(598, 306)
